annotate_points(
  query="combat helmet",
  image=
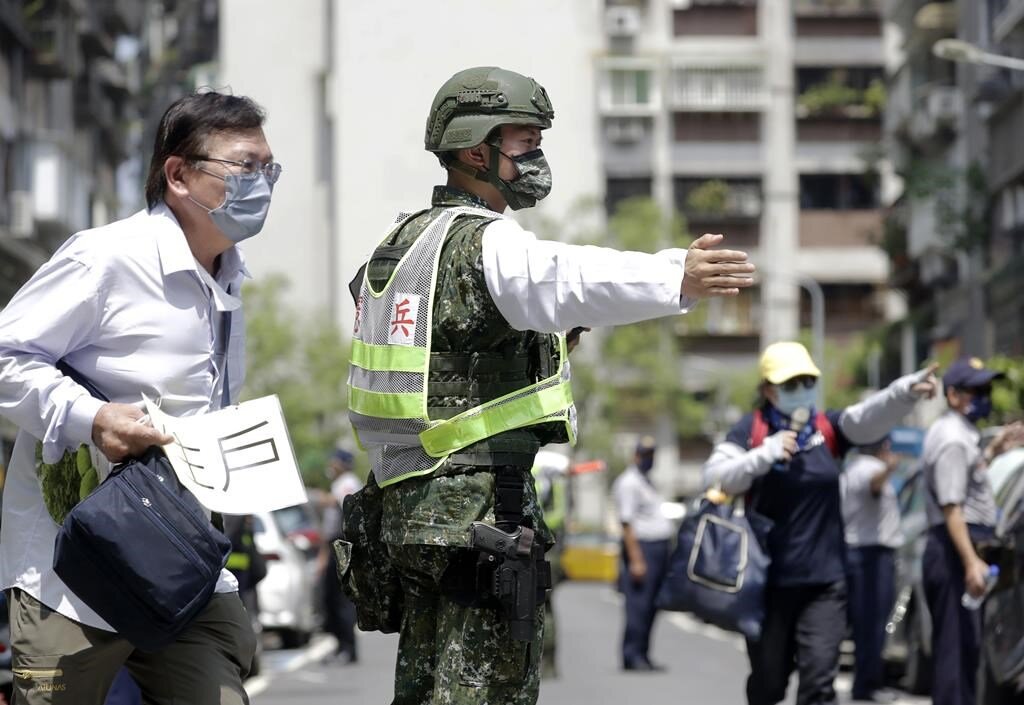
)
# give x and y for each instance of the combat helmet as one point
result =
(475, 101)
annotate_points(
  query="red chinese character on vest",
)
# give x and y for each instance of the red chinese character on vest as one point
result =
(402, 319)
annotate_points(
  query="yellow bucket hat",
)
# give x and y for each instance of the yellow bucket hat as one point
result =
(782, 361)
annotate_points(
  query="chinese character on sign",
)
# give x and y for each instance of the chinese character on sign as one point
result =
(403, 323)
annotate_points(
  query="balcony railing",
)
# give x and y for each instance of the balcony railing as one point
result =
(829, 8)
(718, 89)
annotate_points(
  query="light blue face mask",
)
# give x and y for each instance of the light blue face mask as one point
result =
(245, 206)
(801, 397)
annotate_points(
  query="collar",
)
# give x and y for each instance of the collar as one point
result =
(453, 196)
(176, 256)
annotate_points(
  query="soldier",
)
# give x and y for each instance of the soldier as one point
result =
(459, 374)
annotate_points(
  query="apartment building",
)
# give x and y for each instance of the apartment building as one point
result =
(955, 233)
(761, 120)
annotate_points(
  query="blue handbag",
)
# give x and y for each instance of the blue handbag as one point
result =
(140, 550)
(719, 568)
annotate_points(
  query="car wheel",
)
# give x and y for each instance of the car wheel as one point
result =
(294, 638)
(990, 692)
(917, 676)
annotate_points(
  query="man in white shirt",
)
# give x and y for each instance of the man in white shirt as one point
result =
(459, 316)
(146, 305)
(871, 519)
(645, 543)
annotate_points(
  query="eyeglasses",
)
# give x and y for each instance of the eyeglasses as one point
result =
(271, 170)
(805, 381)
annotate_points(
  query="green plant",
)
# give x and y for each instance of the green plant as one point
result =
(711, 197)
(829, 96)
(304, 361)
(875, 96)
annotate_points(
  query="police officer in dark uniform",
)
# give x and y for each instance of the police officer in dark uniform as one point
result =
(961, 514)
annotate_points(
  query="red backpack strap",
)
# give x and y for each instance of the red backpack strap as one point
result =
(758, 429)
(824, 426)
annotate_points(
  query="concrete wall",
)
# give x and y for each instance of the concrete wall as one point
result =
(276, 53)
(391, 56)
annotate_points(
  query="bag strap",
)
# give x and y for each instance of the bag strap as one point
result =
(77, 377)
(759, 431)
(828, 432)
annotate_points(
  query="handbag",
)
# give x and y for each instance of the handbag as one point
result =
(719, 568)
(140, 550)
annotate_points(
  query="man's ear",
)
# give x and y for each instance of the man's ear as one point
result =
(475, 156)
(174, 174)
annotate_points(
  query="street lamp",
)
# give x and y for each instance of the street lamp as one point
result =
(959, 50)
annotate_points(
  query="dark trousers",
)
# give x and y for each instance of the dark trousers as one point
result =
(339, 612)
(639, 597)
(872, 587)
(124, 691)
(803, 627)
(956, 631)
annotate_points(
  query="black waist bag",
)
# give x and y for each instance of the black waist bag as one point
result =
(140, 551)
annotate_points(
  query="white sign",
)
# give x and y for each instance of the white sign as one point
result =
(237, 460)
(403, 321)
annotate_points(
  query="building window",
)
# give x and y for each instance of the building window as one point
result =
(708, 88)
(732, 19)
(717, 127)
(618, 190)
(630, 88)
(838, 192)
(707, 200)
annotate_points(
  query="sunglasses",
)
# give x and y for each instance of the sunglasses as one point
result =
(805, 381)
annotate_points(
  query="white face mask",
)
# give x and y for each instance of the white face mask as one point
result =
(789, 402)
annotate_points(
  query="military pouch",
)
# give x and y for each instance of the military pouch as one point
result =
(364, 567)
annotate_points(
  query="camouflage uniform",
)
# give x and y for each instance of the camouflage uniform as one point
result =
(450, 653)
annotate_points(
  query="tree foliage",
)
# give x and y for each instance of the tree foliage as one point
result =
(304, 361)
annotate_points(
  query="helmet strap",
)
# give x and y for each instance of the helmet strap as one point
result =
(514, 200)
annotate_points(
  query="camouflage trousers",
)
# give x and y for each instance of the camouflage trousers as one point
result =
(449, 654)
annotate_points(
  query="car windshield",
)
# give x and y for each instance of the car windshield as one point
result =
(292, 519)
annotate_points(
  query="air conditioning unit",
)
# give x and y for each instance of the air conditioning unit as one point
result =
(622, 21)
(22, 219)
(625, 130)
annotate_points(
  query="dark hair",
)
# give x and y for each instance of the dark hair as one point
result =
(186, 125)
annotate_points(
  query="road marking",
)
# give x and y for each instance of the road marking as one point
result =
(318, 649)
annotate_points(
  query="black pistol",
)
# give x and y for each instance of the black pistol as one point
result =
(521, 575)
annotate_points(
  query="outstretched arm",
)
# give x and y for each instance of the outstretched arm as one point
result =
(551, 286)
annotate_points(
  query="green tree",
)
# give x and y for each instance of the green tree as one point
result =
(304, 361)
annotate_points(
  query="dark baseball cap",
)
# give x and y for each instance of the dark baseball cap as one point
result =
(968, 372)
(342, 455)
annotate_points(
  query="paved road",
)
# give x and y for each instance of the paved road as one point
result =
(706, 665)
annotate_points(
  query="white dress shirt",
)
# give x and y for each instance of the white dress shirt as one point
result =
(639, 505)
(551, 287)
(128, 306)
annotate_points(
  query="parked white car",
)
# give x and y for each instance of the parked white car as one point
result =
(288, 539)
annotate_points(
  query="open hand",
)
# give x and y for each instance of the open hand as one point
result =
(710, 272)
(116, 431)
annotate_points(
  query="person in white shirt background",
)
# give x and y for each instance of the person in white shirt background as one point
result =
(646, 532)
(871, 520)
(339, 612)
(145, 305)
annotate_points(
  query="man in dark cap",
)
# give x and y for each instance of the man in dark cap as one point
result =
(961, 513)
(645, 541)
